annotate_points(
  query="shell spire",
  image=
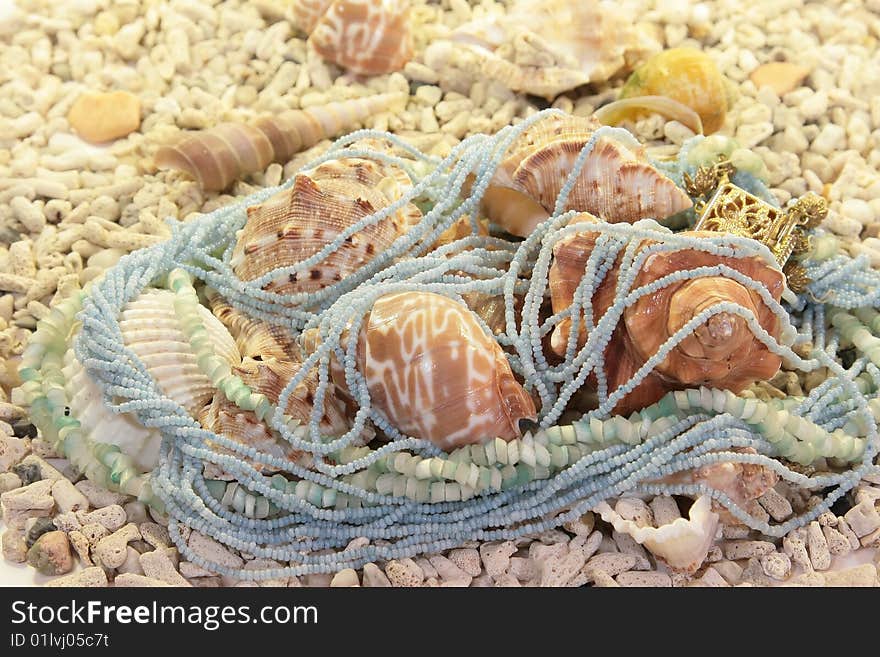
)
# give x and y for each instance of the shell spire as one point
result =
(218, 156)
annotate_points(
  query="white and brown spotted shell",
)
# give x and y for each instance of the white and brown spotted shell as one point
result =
(296, 223)
(721, 353)
(269, 377)
(616, 183)
(367, 37)
(436, 375)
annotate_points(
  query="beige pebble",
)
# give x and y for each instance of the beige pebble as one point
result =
(134, 580)
(651, 579)
(374, 577)
(12, 451)
(111, 517)
(346, 578)
(100, 117)
(837, 542)
(776, 565)
(94, 532)
(863, 518)
(745, 549)
(158, 565)
(559, 571)
(82, 546)
(468, 559)
(863, 575)
(14, 547)
(610, 563)
(67, 497)
(450, 574)
(9, 481)
(817, 547)
(92, 577)
(110, 551)
(782, 77)
(155, 534)
(404, 573)
(522, 569)
(100, 497)
(213, 551)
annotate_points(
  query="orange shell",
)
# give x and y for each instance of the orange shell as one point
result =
(368, 37)
(436, 375)
(616, 183)
(722, 353)
(296, 223)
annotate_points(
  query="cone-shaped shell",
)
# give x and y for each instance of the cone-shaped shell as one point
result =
(218, 156)
(368, 37)
(721, 353)
(616, 183)
(152, 330)
(298, 222)
(436, 375)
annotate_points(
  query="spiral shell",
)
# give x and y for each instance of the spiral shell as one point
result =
(219, 156)
(151, 329)
(436, 375)
(688, 76)
(721, 353)
(616, 183)
(367, 37)
(298, 222)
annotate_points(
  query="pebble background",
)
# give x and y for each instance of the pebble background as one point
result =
(69, 210)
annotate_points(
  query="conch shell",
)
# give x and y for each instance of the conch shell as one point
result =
(616, 183)
(543, 47)
(682, 544)
(298, 222)
(219, 156)
(368, 37)
(269, 377)
(721, 353)
(436, 375)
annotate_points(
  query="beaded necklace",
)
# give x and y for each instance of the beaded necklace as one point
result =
(407, 496)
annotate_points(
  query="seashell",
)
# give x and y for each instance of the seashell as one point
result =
(102, 117)
(543, 47)
(682, 544)
(626, 108)
(269, 377)
(151, 329)
(253, 337)
(722, 353)
(218, 156)
(616, 183)
(296, 223)
(101, 425)
(367, 37)
(687, 75)
(436, 375)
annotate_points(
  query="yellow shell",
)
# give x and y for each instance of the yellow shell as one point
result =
(687, 75)
(296, 223)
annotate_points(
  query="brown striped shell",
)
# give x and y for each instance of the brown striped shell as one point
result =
(367, 37)
(436, 375)
(253, 337)
(269, 377)
(616, 183)
(721, 353)
(218, 156)
(296, 223)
